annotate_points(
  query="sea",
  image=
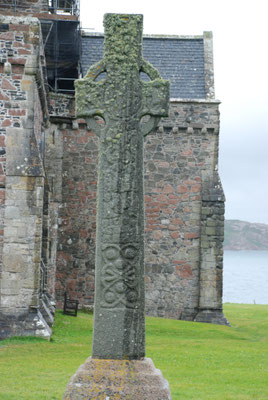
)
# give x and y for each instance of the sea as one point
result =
(245, 277)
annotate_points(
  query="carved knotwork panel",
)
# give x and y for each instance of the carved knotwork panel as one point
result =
(120, 276)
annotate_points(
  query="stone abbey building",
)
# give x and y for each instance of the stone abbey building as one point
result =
(48, 173)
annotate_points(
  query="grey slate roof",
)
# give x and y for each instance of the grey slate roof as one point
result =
(181, 60)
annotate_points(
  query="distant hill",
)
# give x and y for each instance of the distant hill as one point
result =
(241, 235)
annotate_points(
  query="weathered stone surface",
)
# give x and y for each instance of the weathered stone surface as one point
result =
(211, 253)
(22, 243)
(122, 100)
(118, 380)
(25, 238)
(212, 316)
(24, 323)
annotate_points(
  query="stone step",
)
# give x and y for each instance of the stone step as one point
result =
(50, 303)
(42, 329)
(46, 313)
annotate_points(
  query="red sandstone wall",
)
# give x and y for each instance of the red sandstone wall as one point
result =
(178, 158)
(77, 222)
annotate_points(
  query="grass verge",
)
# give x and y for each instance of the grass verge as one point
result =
(200, 361)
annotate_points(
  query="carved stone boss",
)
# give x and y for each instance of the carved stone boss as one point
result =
(129, 109)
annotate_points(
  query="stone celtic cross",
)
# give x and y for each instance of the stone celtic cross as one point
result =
(130, 109)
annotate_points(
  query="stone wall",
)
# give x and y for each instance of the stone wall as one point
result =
(53, 201)
(2, 204)
(77, 222)
(77, 150)
(3, 97)
(211, 253)
(25, 7)
(22, 119)
(180, 169)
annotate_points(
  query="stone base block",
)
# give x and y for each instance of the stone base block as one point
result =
(211, 317)
(117, 380)
(30, 323)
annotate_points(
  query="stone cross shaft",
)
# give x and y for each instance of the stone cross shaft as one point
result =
(130, 109)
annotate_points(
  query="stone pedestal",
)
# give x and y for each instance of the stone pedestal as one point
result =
(117, 379)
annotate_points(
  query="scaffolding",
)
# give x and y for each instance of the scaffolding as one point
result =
(60, 7)
(62, 44)
(17, 6)
(64, 7)
(61, 37)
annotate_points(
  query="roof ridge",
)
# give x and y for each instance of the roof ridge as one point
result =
(150, 36)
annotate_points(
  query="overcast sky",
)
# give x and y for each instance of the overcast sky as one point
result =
(240, 31)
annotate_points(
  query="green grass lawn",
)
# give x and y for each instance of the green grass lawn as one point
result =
(200, 361)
